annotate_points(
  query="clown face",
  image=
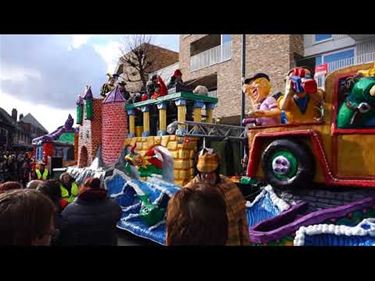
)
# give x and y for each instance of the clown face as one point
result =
(257, 90)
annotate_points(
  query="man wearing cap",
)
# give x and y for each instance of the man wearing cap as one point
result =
(265, 111)
(40, 173)
(208, 172)
(176, 81)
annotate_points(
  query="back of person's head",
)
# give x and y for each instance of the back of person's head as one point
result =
(51, 188)
(33, 184)
(10, 185)
(92, 183)
(197, 216)
(26, 218)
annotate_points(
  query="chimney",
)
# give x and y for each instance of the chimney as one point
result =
(21, 116)
(14, 114)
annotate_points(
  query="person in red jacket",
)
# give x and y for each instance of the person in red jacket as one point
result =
(160, 89)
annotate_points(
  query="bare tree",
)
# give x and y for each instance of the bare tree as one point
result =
(137, 58)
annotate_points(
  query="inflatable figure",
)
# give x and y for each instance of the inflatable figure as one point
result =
(110, 85)
(358, 109)
(265, 111)
(303, 101)
(156, 162)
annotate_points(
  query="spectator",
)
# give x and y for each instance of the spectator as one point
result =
(51, 188)
(91, 218)
(33, 184)
(10, 185)
(208, 173)
(69, 188)
(197, 216)
(26, 218)
(40, 173)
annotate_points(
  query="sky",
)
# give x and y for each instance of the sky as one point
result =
(44, 74)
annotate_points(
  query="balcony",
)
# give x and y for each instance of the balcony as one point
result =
(365, 58)
(211, 56)
(362, 37)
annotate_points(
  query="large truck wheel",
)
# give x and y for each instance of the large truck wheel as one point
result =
(288, 163)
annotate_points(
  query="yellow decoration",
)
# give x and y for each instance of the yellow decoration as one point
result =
(146, 121)
(163, 119)
(132, 124)
(172, 145)
(209, 113)
(197, 115)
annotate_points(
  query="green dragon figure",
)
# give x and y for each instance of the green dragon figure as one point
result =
(358, 109)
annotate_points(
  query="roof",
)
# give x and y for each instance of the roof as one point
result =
(31, 120)
(114, 96)
(7, 117)
(88, 93)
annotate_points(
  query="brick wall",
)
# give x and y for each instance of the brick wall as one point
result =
(114, 131)
(90, 133)
(183, 150)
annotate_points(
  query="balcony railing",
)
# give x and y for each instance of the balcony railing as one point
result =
(211, 56)
(364, 58)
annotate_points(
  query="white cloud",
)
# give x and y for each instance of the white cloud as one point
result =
(50, 117)
(18, 73)
(79, 40)
(110, 52)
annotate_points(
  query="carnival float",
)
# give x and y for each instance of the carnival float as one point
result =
(144, 147)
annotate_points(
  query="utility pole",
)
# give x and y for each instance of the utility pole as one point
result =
(243, 73)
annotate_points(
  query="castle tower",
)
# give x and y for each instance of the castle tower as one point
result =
(90, 131)
(114, 126)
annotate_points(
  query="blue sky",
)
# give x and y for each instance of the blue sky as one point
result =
(43, 74)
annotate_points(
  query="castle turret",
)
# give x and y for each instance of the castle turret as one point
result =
(114, 126)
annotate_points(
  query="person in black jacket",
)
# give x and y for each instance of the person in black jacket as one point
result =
(91, 218)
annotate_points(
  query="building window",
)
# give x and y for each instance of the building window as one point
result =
(322, 37)
(226, 38)
(348, 54)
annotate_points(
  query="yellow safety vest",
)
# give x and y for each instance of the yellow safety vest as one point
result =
(73, 192)
(40, 176)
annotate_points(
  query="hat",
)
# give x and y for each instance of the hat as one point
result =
(177, 72)
(256, 76)
(208, 161)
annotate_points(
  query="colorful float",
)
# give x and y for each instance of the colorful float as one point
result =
(61, 143)
(144, 153)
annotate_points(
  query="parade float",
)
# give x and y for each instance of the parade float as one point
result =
(329, 145)
(61, 143)
(144, 155)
